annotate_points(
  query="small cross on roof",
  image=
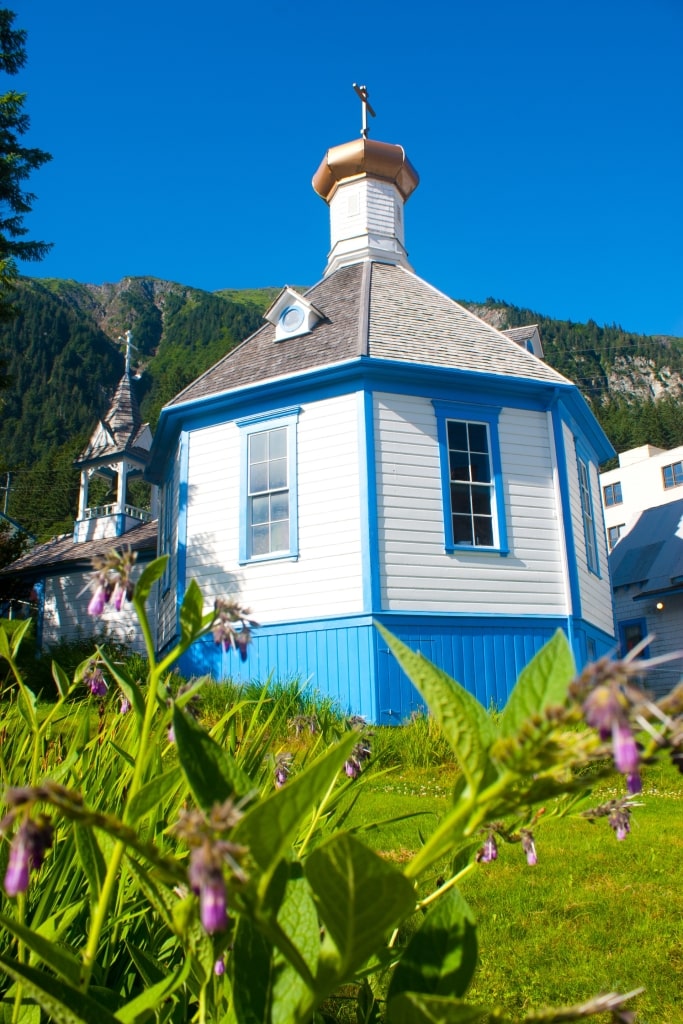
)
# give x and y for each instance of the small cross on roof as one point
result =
(362, 93)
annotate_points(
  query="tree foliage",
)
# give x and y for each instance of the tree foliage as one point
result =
(17, 162)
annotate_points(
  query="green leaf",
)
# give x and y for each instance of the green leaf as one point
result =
(148, 577)
(144, 1005)
(55, 956)
(62, 1003)
(466, 724)
(91, 859)
(541, 684)
(212, 775)
(360, 897)
(19, 634)
(4, 644)
(441, 956)
(276, 990)
(269, 827)
(415, 1008)
(62, 681)
(191, 613)
(152, 794)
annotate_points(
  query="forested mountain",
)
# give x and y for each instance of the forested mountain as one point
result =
(64, 358)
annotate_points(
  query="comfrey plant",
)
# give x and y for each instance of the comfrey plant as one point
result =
(191, 881)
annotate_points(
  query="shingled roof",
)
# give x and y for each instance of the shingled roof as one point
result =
(650, 555)
(382, 311)
(121, 429)
(60, 555)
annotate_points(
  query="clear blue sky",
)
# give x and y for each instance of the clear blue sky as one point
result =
(547, 135)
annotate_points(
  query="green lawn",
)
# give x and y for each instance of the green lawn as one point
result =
(594, 915)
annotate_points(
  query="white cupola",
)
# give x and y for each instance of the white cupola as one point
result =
(366, 184)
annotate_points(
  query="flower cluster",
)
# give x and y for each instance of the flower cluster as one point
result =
(283, 769)
(27, 852)
(112, 581)
(353, 766)
(93, 678)
(210, 851)
(488, 852)
(617, 812)
(308, 723)
(232, 626)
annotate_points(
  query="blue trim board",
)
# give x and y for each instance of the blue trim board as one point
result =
(367, 469)
(348, 660)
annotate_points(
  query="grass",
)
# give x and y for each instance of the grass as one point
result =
(594, 915)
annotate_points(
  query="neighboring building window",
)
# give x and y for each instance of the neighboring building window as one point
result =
(471, 477)
(591, 649)
(587, 515)
(673, 474)
(630, 634)
(613, 534)
(612, 493)
(269, 520)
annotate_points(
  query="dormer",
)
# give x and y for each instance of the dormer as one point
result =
(292, 315)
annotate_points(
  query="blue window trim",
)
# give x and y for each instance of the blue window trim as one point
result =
(488, 414)
(252, 425)
(583, 458)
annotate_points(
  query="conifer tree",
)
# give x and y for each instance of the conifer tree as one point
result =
(16, 164)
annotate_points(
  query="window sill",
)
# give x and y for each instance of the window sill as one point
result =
(278, 557)
(455, 549)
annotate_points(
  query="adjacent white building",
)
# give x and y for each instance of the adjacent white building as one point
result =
(646, 477)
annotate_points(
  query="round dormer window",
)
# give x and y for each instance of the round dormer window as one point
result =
(291, 319)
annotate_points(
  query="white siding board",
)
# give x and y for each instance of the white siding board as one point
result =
(415, 571)
(326, 577)
(64, 616)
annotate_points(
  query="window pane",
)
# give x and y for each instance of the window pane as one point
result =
(460, 465)
(258, 446)
(258, 477)
(481, 501)
(260, 509)
(278, 474)
(279, 506)
(260, 540)
(478, 437)
(279, 536)
(278, 443)
(460, 499)
(678, 473)
(457, 435)
(483, 531)
(462, 530)
(481, 468)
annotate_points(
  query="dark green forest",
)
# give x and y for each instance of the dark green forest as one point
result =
(63, 359)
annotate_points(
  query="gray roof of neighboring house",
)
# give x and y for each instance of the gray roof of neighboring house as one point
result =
(650, 555)
(122, 425)
(382, 311)
(62, 555)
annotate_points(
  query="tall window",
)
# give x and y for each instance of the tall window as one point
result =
(471, 476)
(269, 516)
(471, 481)
(268, 507)
(587, 515)
(673, 475)
(612, 493)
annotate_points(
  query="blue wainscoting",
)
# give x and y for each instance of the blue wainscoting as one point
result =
(348, 660)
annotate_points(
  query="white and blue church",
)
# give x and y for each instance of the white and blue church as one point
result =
(375, 452)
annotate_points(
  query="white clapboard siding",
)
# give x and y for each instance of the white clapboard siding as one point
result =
(595, 590)
(167, 625)
(326, 579)
(65, 619)
(415, 571)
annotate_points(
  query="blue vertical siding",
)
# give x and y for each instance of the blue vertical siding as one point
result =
(349, 661)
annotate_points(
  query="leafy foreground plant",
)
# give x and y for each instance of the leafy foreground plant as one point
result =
(212, 878)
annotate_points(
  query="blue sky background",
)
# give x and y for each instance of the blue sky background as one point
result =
(547, 136)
